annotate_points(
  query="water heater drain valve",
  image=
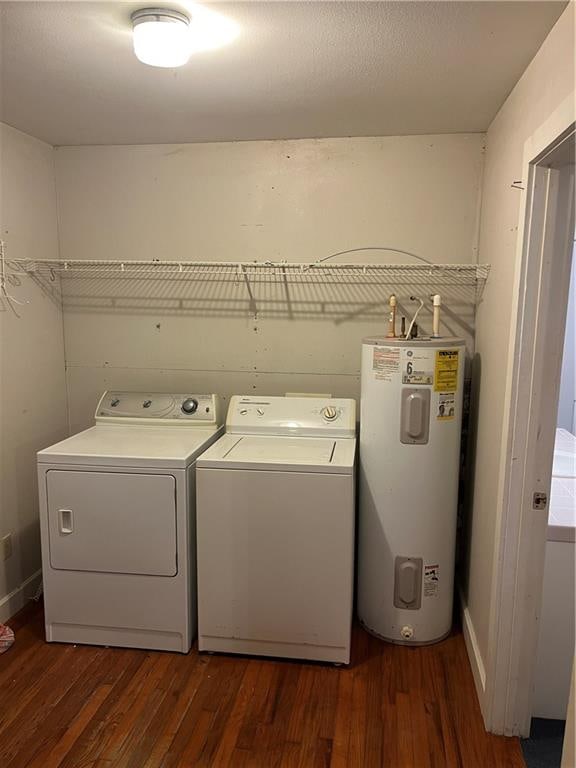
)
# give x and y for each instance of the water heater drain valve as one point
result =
(407, 632)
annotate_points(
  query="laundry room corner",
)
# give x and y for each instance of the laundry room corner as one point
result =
(545, 89)
(32, 381)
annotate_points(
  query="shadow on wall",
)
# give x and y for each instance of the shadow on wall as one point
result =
(326, 296)
(467, 477)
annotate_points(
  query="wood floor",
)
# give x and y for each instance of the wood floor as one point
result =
(88, 707)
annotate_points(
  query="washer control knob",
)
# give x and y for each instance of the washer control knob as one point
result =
(190, 405)
(146, 403)
(329, 413)
(260, 411)
(243, 411)
(115, 402)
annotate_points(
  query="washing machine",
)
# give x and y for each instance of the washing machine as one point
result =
(275, 512)
(117, 521)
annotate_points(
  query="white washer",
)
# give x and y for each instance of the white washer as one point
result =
(117, 520)
(275, 507)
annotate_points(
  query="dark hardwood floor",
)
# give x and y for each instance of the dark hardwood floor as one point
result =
(89, 707)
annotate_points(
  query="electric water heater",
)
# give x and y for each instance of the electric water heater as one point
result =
(410, 423)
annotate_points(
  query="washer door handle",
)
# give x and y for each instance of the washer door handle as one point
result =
(65, 521)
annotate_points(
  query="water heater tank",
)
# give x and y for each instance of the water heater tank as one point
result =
(410, 424)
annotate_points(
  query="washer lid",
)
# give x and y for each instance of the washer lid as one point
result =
(132, 446)
(295, 454)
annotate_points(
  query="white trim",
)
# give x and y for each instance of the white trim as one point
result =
(569, 745)
(16, 600)
(473, 650)
(535, 344)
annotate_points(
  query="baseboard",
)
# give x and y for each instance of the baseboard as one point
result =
(476, 662)
(18, 598)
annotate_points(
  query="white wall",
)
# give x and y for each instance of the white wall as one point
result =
(282, 200)
(555, 655)
(32, 382)
(547, 82)
(567, 397)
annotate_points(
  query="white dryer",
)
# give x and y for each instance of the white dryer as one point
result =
(275, 511)
(117, 520)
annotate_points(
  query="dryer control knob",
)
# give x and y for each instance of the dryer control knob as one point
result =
(329, 413)
(190, 405)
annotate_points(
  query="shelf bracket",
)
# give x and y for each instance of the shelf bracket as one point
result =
(287, 294)
(253, 307)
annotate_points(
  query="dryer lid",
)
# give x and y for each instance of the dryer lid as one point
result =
(131, 446)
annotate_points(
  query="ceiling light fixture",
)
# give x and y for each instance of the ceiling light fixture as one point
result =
(161, 37)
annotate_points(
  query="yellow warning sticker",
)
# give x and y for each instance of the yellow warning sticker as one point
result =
(446, 370)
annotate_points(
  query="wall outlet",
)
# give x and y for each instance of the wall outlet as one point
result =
(6, 547)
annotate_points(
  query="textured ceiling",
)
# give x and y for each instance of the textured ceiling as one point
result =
(295, 69)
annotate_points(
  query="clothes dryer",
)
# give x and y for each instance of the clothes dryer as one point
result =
(117, 519)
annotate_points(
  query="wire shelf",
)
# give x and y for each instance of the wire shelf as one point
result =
(459, 274)
(337, 291)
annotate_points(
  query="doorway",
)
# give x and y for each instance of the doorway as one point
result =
(555, 651)
(539, 317)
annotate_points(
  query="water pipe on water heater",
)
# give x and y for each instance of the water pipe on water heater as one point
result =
(392, 321)
(436, 303)
(414, 316)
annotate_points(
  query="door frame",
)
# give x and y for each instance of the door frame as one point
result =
(540, 299)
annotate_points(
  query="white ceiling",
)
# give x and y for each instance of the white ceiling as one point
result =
(296, 69)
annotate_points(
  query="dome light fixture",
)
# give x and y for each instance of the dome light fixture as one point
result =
(161, 37)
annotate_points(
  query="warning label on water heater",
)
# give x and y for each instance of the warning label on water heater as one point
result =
(446, 406)
(431, 580)
(385, 362)
(446, 370)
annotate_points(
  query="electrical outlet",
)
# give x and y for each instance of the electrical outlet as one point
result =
(6, 546)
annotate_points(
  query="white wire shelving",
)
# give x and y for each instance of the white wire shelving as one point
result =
(267, 270)
(263, 288)
(449, 275)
